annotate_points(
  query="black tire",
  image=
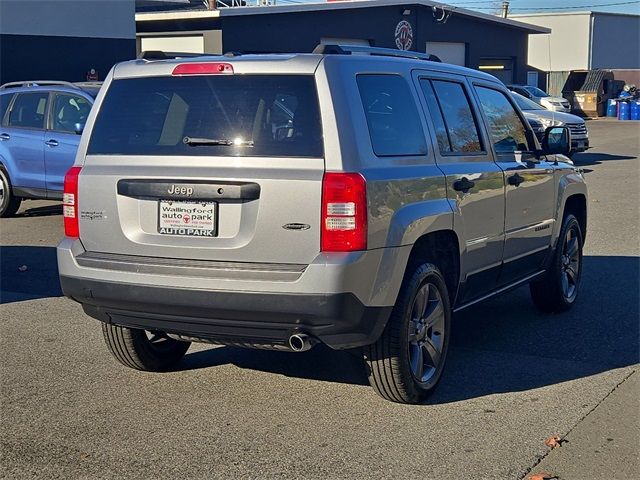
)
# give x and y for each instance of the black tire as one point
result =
(558, 289)
(142, 350)
(9, 204)
(391, 361)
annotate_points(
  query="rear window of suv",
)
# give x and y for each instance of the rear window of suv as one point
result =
(245, 115)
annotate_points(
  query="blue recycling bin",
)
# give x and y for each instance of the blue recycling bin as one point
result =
(634, 110)
(623, 111)
(612, 108)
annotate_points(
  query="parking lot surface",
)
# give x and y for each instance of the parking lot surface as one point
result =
(514, 376)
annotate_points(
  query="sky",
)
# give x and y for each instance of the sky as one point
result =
(528, 6)
(531, 6)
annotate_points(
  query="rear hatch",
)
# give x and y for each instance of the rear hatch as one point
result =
(221, 166)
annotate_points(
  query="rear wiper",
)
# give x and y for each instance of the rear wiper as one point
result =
(236, 142)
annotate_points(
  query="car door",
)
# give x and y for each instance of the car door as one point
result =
(530, 186)
(475, 184)
(61, 140)
(23, 137)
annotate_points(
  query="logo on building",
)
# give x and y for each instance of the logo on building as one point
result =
(404, 35)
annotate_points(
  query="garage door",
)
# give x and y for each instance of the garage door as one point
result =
(448, 52)
(182, 43)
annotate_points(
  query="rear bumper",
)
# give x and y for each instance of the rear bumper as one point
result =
(339, 320)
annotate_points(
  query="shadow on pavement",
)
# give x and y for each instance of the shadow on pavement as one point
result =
(585, 159)
(45, 211)
(39, 280)
(501, 345)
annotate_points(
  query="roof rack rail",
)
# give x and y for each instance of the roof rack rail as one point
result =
(160, 55)
(88, 84)
(37, 83)
(384, 52)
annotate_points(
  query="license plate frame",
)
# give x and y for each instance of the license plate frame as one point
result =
(175, 227)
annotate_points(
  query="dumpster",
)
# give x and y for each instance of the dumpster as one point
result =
(588, 91)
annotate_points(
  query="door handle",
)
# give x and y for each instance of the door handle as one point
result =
(463, 185)
(515, 180)
(51, 143)
(4, 136)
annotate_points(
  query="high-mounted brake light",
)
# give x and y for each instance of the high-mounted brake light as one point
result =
(70, 203)
(344, 212)
(202, 68)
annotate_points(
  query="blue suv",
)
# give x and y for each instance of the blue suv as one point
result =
(40, 127)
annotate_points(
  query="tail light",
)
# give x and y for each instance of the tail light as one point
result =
(344, 212)
(202, 68)
(70, 203)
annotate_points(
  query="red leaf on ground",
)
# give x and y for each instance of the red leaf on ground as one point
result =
(553, 441)
(543, 476)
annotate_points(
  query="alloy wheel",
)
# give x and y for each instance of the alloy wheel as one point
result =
(426, 333)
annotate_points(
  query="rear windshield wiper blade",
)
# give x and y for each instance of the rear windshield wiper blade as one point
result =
(236, 142)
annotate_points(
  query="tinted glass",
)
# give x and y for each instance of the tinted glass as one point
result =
(5, 100)
(461, 125)
(392, 116)
(68, 110)
(278, 114)
(29, 110)
(525, 103)
(506, 128)
(536, 92)
(436, 115)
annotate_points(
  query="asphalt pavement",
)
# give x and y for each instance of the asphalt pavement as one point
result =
(514, 378)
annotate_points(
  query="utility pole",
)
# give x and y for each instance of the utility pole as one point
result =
(505, 9)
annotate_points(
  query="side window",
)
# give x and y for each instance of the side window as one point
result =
(436, 115)
(458, 118)
(392, 115)
(5, 100)
(69, 110)
(29, 110)
(508, 133)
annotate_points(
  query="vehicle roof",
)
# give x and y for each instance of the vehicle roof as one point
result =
(288, 63)
(91, 90)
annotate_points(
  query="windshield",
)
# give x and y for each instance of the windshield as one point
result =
(525, 103)
(214, 115)
(536, 92)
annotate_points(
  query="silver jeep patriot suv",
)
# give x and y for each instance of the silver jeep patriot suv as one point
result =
(354, 196)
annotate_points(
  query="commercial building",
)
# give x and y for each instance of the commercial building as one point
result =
(64, 40)
(456, 35)
(581, 41)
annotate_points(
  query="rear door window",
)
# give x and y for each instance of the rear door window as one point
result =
(29, 110)
(392, 116)
(248, 115)
(69, 110)
(449, 101)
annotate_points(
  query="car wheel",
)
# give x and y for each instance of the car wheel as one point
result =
(558, 289)
(9, 204)
(142, 349)
(407, 361)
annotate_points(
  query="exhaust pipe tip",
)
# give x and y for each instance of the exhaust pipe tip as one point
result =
(300, 342)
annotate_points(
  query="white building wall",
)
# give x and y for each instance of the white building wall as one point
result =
(616, 41)
(565, 48)
(69, 18)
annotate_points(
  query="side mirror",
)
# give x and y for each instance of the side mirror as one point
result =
(78, 128)
(556, 140)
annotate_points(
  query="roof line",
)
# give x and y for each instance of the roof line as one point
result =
(337, 5)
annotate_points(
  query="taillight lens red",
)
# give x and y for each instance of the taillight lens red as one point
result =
(202, 68)
(344, 212)
(70, 203)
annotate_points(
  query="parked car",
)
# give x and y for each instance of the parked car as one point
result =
(555, 104)
(541, 118)
(40, 126)
(399, 191)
